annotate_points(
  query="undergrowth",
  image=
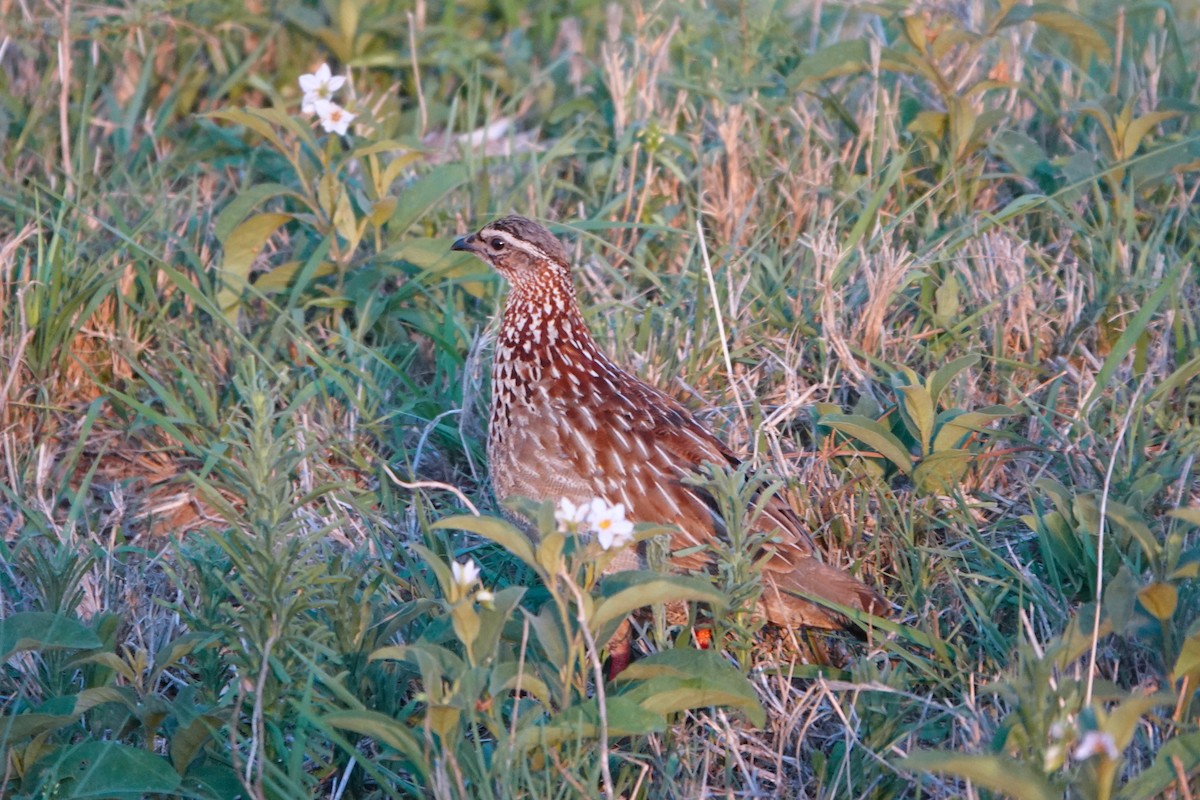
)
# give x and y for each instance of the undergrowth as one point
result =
(933, 266)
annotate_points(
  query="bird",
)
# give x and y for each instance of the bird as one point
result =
(567, 422)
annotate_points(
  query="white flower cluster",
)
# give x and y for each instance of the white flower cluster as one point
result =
(318, 91)
(465, 574)
(608, 522)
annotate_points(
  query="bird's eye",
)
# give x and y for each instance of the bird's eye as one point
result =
(497, 243)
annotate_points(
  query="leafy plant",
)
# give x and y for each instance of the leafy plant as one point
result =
(934, 448)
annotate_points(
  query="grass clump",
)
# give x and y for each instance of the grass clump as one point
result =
(934, 267)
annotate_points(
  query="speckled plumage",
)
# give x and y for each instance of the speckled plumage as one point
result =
(567, 422)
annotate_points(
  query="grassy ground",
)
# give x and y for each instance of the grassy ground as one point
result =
(933, 265)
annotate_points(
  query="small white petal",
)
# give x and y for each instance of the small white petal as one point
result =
(1096, 743)
(464, 573)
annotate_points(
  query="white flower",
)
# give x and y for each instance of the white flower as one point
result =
(320, 85)
(1096, 742)
(484, 597)
(609, 523)
(334, 118)
(466, 573)
(570, 516)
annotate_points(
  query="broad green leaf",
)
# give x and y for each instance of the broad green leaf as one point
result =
(1178, 753)
(916, 31)
(493, 619)
(399, 150)
(873, 435)
(1188, 662)
(494, 529)
(255, 121)
(939, 380)
(381, 211)
(1120, 599)
(108, 770)
(548, 628)
(187, 740)
(345, 222)
(1019, 151)
(1018, 207)
(940, 472)
(1133, 524)
(241, 249)
(946, 304)
(918, 409)
(1082, 35)
(393, 170)
(1123, 720)
(954, 426)
(241, 205)
(466, 623)
(930, 123)
(636, 590)
(1001, 774)
(676, 680)
(278, 279)
(1159, 599)
(382, 729)
(424, 194)
(17, 727)
(1191, 514)
(624, 718)
(41, 630)
(511, 676)
(831, 61)
(1124, 345)
(1138, 128)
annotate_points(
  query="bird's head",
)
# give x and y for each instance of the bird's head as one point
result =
(518, 248)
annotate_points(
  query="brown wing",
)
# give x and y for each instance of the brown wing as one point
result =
(639, 444)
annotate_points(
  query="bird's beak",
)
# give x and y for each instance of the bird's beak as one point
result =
(465, 244)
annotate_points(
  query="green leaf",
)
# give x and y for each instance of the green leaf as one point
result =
(1181, 751)
(1188, 662)
(918, 410)
(873, 435)
(1127, 340)
(382, 729)
(41, 630)
(676, 680)
(1191, 514)
(189, 739)
(1138, 128)
(107, 770)
(1083, 35)
(1159, 599)
(277, 279)
(548, 627)
(17, 727)
(241, 249)
(494, 529)
(241, 205)
(1123, 720)
(940, 472)
(580, 722)
(1134, 525)
(628, 591)
(424, 194)
(1020, 152)
(953, 426)
(1001, 774)
(939, 380)
(831, 61)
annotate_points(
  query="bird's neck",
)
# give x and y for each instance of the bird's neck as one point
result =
(542, 319)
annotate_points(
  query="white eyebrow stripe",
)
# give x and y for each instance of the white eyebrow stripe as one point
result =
(517, 244)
